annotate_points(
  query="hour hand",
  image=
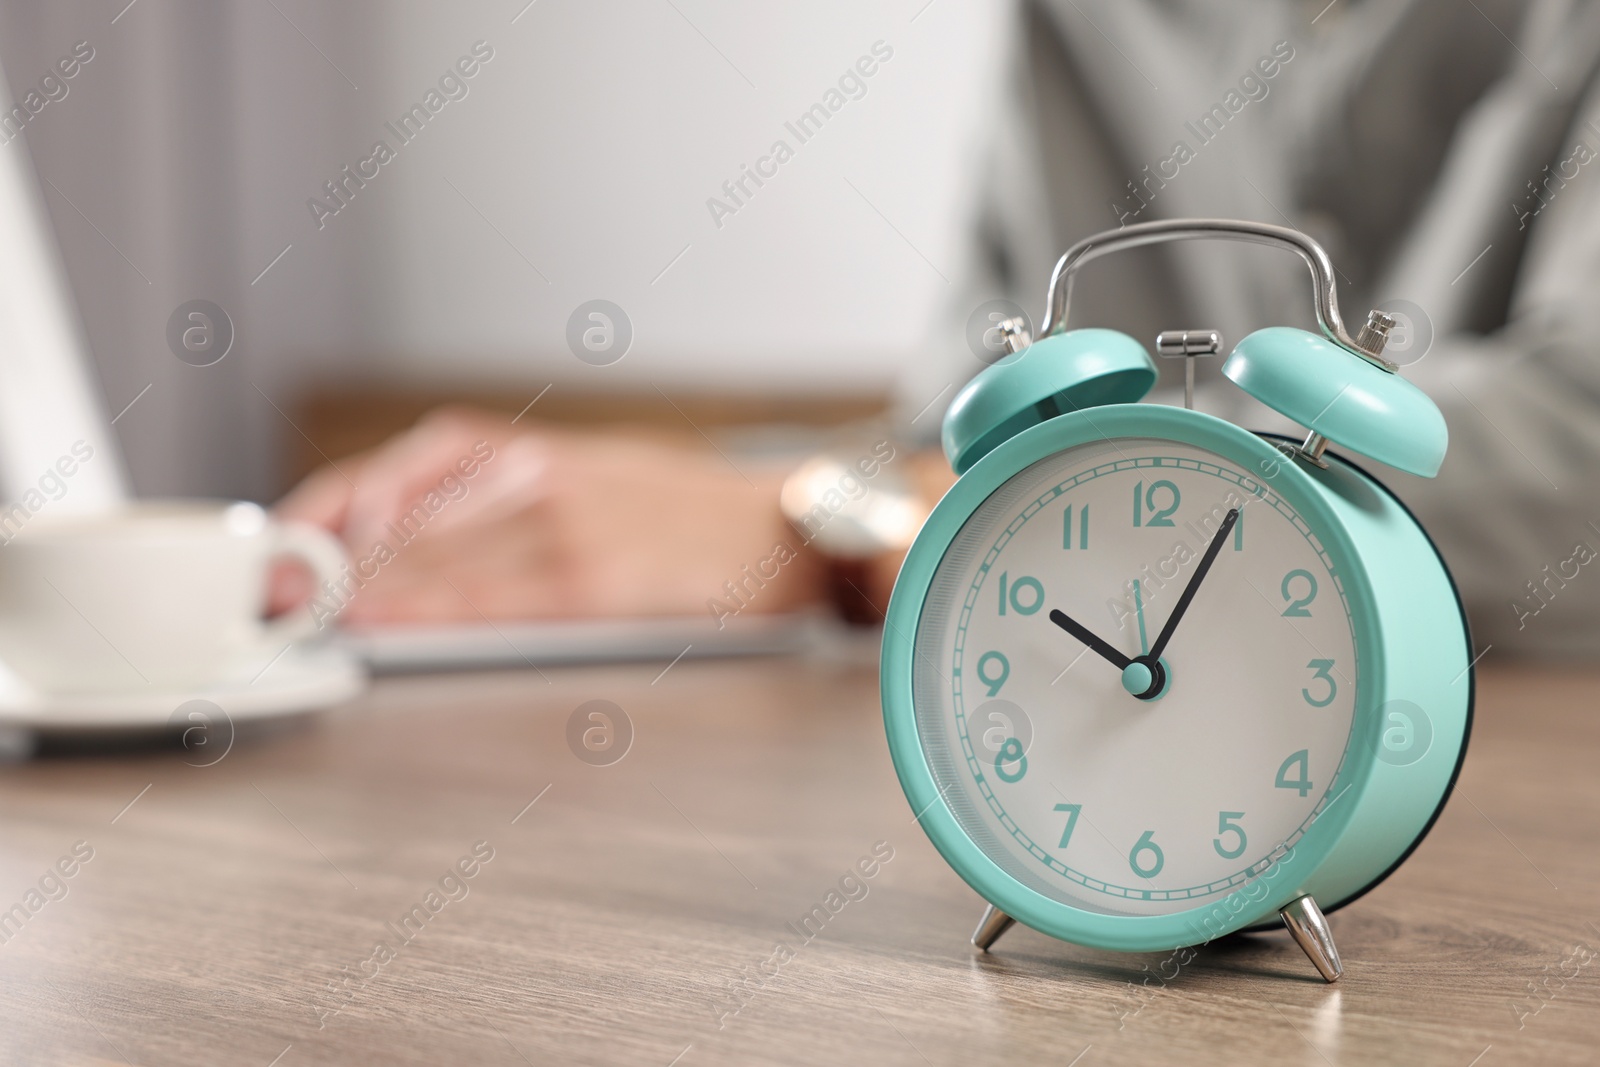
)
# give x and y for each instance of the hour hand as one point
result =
(1076, 629)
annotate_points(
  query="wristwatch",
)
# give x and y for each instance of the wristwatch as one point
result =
(852, 508)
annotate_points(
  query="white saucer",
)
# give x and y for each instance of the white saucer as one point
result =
(304, 678)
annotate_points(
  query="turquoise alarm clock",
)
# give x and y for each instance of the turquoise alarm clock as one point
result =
(1150, 679)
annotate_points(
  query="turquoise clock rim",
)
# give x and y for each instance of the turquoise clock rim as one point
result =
(1469, 712)
(1234, 911)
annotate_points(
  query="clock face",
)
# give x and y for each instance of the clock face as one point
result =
(1164, 785)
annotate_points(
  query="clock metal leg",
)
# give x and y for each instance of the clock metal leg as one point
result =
(1309, 927)
(994, 923)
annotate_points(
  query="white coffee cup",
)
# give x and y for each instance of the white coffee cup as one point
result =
(152, 596)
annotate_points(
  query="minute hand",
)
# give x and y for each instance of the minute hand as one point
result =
(1194, 584)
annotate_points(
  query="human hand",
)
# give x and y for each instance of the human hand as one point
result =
(548, 523)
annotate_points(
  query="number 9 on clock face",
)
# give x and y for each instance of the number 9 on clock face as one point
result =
(1137, 788)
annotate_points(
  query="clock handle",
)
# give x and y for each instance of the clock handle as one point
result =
(1368, 343)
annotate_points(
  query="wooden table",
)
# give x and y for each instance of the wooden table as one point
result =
(230, 913)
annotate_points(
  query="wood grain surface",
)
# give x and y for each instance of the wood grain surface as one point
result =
(233, 913)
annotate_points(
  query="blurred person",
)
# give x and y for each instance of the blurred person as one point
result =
(557, 523)
(1443, 154)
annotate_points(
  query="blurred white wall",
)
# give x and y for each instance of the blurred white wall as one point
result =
(577, 166)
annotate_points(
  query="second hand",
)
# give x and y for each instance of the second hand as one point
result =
(1138, 605)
